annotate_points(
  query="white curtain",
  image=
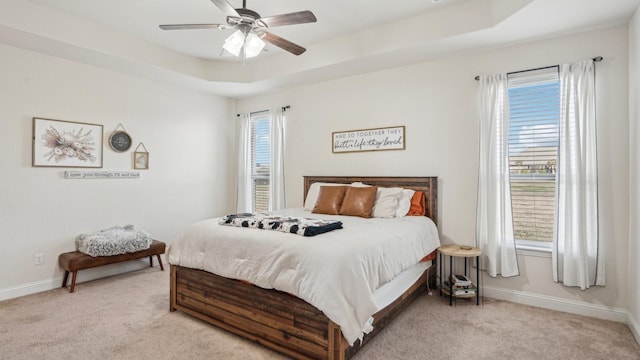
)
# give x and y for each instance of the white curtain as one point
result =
(494, 222)
(577, 258)
(244, 201)
(276, 181)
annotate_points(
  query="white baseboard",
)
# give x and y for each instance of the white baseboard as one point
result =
(559, 304)
(83, 276)
(634, 326)
(29, 288)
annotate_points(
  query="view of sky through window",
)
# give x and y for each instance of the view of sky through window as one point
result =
(534, 112)
(262, 142)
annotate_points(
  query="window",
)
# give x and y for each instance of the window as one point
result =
(534, 111)
(260, 160)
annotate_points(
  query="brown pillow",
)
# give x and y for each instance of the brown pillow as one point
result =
(358, 201)
(329, 200)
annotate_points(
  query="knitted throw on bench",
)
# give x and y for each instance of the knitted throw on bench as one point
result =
(114, 241)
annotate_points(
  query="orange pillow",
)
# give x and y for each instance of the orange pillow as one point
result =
(329, 200)
(418, 204)
(429, 257)
(358, 201)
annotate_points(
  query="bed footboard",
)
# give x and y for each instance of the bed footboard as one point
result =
(274, 319)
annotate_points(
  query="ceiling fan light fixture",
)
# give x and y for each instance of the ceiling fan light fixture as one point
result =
(251, 43)
(233, 44)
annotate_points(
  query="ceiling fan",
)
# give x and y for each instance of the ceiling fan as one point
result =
(251, 29)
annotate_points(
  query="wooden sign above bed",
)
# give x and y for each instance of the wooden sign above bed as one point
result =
(388, 138)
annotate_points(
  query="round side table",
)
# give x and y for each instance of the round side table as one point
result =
(464, 252)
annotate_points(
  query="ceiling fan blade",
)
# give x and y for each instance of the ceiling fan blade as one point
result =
(193, 26)
(283, 43)
(300, 17)
(225, 7)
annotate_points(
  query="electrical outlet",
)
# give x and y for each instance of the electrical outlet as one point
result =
(38, 258)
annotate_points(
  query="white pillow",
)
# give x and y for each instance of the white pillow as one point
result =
(386, 204)
(404, 204)
(312, 194)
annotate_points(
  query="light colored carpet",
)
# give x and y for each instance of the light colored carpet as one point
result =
(127, 317)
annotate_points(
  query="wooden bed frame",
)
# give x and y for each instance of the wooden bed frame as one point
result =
(281, 321)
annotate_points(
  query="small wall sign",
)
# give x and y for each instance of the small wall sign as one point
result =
(387, 138)
(120, 140)
(101, 174)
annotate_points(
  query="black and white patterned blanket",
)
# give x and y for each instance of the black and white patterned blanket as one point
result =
(288, 224)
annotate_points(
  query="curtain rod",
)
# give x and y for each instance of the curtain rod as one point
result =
(595, 59)
(284, 108)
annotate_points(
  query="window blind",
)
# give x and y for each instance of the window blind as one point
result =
(260, 160)
(534, 110)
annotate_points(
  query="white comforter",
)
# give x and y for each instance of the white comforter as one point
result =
(337, 272)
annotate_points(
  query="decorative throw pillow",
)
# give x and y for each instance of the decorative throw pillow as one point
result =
(312, 193)
(329, 200)
(404, 204)
(418, 204)
(386, 202)
(358, 201)
(359, 184)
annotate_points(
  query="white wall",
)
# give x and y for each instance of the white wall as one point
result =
(437, 102)
(187, 133)
(634, 178)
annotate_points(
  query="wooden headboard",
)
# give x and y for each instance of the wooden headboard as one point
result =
(428, 185)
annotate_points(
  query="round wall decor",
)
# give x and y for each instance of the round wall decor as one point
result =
(120, 141)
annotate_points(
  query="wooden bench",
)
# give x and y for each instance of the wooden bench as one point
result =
(75, 260)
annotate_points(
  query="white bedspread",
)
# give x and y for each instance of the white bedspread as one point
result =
(337, 272)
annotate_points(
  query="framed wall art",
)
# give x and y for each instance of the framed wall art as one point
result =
(141, 158)
(59, 143)
(120, 140)
(378, 139)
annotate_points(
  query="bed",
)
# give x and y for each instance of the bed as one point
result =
(284, 322)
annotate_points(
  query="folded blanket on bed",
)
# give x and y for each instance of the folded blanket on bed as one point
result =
(114, 241)
(288, 224)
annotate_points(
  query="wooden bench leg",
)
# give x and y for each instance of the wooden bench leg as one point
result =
(64, 280)
(73, 281)
(160, 262)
